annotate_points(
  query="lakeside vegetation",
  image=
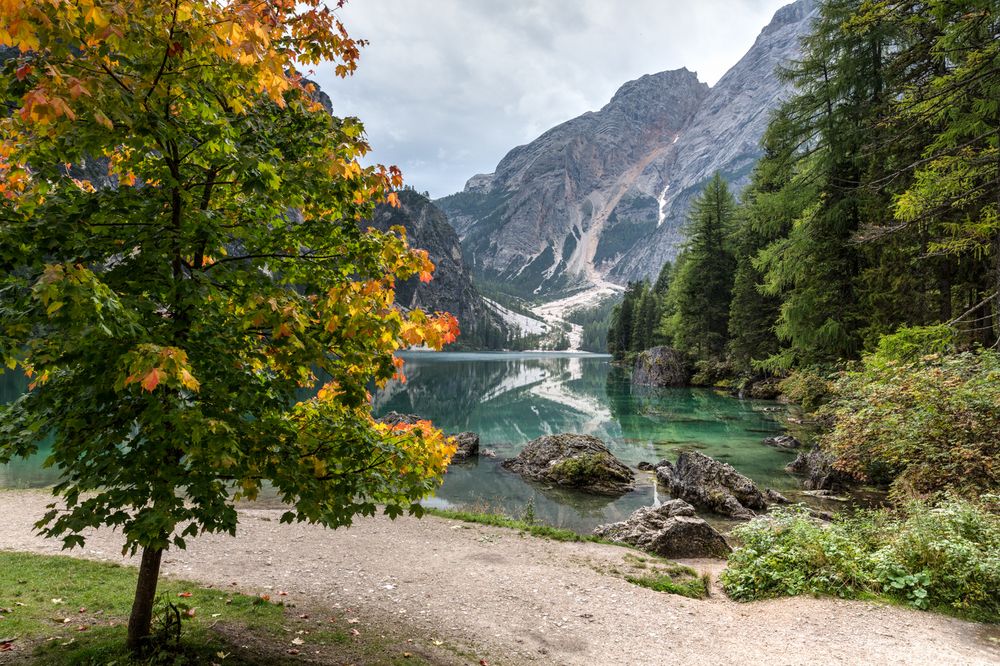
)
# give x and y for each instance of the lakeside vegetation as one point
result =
(861, 267)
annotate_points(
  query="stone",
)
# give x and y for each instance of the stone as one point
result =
(774, 497)
(782, 442)
(661, 367)
(670, 530)
(573, 461)
(712, 485)
(817, 467)
(468, 446)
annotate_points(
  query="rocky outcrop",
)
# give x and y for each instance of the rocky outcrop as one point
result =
(661, 367)
(573, 461)
(608, 192)
(468, 446)
(782, 442)
(817, 467)
(467, 442)
(451, 289)
(712, 485)
(671, 530)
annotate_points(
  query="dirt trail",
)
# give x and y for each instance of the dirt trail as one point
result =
(515, 599)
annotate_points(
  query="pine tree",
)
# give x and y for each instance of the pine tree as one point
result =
(704, 286)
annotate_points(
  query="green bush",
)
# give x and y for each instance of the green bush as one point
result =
(807, 389)
(924, 426)
(944, 557)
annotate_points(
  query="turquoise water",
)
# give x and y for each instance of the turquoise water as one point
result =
(512, 398)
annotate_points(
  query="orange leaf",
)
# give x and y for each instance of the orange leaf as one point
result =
(150, 381)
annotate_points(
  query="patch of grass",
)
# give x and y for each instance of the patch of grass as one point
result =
(500, 520)
(691, 585)
(58, 610)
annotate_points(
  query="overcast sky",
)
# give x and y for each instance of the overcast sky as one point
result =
(446, 87)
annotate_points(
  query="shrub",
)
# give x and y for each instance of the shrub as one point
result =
(924, 426)
(807, 389)
(943, 557)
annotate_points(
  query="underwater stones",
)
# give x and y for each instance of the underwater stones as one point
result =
(671, 530)
(712, 485)
(573, 461)
(661, 367)
(782, 442)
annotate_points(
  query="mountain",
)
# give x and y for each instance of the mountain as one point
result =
(451, 289)
(604, 196)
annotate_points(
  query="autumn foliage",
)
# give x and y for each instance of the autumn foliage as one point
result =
(187, 275)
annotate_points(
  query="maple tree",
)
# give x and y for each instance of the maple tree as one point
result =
(184, 259)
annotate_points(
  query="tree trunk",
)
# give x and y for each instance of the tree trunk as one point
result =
(140, 621)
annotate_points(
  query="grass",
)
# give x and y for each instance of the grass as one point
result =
(501, 520)
(59, 610)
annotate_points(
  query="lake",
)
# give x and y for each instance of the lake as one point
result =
(512, 398)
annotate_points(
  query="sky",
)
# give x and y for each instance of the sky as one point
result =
(446, 87)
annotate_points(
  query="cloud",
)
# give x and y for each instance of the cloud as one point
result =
(446, 87)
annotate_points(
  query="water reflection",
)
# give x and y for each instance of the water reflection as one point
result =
(510, 399)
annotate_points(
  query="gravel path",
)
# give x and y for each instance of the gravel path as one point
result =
(516, 599)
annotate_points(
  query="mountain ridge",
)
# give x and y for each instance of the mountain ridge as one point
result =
(604, 196)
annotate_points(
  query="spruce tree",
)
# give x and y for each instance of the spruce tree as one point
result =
(704, 287)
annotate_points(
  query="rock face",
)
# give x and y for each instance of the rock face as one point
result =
(451, 289)
(670, 530)
(712, 485)
(606, 194)
(467, 442)
(782, 442)
(573, 461)
(661, 367)
(817, 467)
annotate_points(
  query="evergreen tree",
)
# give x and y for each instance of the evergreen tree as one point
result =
(704, 285)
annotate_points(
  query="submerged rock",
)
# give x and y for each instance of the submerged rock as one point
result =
(712, 485)
(671, 530)
(782, 442)
(817, 466)
(661, 367)
(573, 461)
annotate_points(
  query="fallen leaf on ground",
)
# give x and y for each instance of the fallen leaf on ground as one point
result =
(355, 632)
(184, 595)
(297, 641)
(57, 601)
(292, 651)
(82, 627)
(353, 620)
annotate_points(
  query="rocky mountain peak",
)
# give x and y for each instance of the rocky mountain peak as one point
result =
(604, 196)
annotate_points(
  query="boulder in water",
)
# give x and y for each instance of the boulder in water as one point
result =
(671, 530)
(712, 485)
(573, 461)
(661, 367)
(468, 446)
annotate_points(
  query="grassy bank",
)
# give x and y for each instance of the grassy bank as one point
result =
(61, 610)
